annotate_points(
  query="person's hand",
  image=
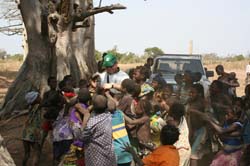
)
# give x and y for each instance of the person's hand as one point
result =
(164, 105)
(206, 117)
(90, 108)
(128, 148)
(107, 93)
(82, 110)
(107, 86)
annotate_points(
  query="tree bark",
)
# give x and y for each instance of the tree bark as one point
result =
(46, 58)
(56, 46)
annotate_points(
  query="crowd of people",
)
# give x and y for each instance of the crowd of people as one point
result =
(116, 118)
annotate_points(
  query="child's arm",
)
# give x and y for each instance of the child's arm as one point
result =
(107, 93)
(230, 130)
(85, 112)
(137, 159)
(136, 121)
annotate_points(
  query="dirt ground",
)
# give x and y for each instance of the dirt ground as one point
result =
(12, 131)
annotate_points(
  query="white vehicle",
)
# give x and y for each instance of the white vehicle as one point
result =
(168, 65)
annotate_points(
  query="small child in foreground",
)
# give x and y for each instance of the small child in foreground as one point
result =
(32, 128)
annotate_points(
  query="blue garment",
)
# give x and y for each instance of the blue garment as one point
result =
(232, 144)
(120, 137)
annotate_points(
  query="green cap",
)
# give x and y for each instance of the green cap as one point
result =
(109, 60)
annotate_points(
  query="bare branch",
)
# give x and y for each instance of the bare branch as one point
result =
(11, 17)
(94, 11)
(15, 29)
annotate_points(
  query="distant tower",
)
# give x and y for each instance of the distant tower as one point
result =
(191, 47)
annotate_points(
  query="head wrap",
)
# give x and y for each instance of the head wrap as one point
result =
(146, 89)
(30, 97)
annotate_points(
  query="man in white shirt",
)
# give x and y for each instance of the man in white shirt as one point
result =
(112, 76)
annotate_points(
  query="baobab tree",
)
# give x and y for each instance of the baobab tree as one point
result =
(60, 40)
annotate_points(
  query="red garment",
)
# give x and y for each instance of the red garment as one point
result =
(69, 94)
(47, 126)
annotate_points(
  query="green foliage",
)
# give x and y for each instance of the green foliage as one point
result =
(18, 57)
(152, 52)
(239, 57)
(98, 55)
(234, 58)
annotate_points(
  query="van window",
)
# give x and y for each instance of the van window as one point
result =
(174, 66)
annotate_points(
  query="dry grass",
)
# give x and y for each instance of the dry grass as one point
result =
(239, 67)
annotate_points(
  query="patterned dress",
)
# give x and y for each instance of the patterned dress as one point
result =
(98, 145)
(32, 128)
(75, 155)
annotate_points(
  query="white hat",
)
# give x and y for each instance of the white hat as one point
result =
(30, 97)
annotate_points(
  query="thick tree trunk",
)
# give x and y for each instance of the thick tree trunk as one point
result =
(71, 53)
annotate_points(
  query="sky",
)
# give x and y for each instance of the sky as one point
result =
(214, 26)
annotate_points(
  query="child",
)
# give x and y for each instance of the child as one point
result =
(184, 91)
(230, 134)
(233, 83)
(75, 156)
(51, 104)
(94, 84)
(119, 134)
(219, 101)
(197, 129)
(166, 154)
(176, 117)
(141, 133)
(97, 134)
(62, 134)
(179, 84)
(32, 128)
(124, 104)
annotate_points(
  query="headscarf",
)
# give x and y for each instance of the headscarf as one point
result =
(30, 97)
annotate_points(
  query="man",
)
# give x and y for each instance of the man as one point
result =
(221, 73)
(113, 76)
(225, 78)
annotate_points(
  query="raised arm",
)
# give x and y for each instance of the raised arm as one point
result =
(136, 121)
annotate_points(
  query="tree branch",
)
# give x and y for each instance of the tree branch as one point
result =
(12, 29)
(90, 12)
